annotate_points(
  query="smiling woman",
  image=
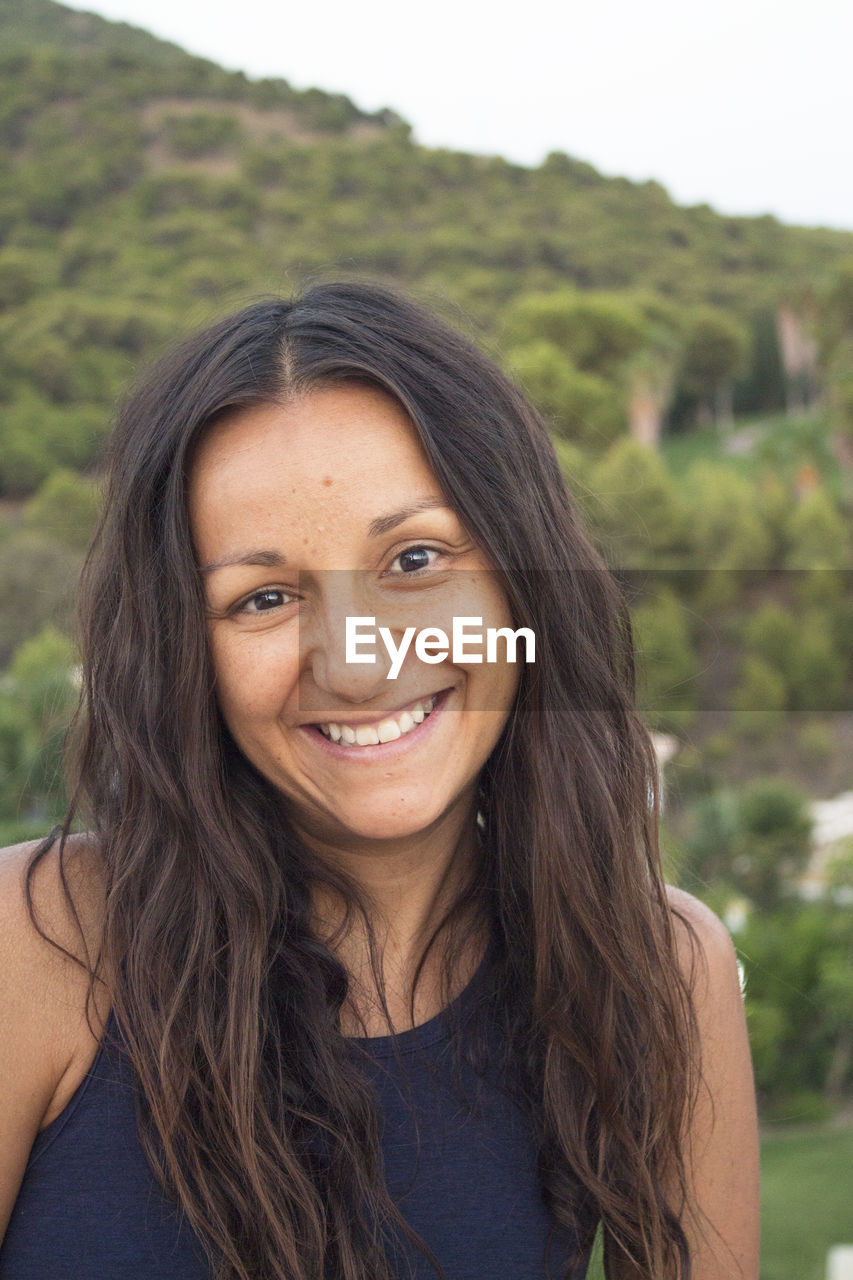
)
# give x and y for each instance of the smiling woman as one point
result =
(279, 645)
(387, 965)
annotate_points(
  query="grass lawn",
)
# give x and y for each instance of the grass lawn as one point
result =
(769, 443)
(807, 1200)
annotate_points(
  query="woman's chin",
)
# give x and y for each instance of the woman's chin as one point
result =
(392, 819)
(380, 828)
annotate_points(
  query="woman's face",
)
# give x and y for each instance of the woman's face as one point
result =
(305, 515)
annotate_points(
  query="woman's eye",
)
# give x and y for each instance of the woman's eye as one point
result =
(415, 558)
(264, 601)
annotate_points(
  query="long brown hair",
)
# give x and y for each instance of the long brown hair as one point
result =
(256, 1117)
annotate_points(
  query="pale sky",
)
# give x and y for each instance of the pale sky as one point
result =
(745, 104)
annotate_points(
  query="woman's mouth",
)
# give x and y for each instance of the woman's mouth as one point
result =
(390, 728)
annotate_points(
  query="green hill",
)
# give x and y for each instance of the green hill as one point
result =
(143, 189)
(42, 24)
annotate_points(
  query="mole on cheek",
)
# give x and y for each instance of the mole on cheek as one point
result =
(327, 480)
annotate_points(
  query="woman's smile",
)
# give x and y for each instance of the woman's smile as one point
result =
(384, 738)
(306, 514)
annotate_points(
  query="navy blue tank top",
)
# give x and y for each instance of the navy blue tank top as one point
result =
(462, 1174)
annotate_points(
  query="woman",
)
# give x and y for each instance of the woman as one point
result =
(390, 962)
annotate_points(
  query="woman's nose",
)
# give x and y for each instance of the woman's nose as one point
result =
(323, 644)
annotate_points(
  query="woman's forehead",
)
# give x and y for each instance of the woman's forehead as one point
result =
(323, 430)
(338, 454)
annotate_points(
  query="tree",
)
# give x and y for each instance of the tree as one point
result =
(760, 700)
(579, 406)
(37, 581)
(708, 846)
(667, 661)
(19, 277)
(771, 635)
(816, 668)
(597, 331)
(773, 845)
(638, 515)
(652, 368)
(798, 963)
(725, 530)
(38, 696)
(727, 536)
(715, 351)
(835, 332)
(65, 509)
(37, 437)
(818, 547)
(818, 537)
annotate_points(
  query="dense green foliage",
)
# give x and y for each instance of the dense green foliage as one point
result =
(144, 189)
(37, 698)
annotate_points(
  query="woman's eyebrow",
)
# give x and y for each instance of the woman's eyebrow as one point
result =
(268, 559)
(275, 560)
(383, 524)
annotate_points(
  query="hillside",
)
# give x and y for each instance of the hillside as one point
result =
(143, 189)
(42, 24)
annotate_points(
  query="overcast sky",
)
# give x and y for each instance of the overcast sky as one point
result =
(745, 104)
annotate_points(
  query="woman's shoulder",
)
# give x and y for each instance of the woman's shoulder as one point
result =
(46, 1042)
(703, 943)
(60, 893)
(51, 921)
(722, 1139)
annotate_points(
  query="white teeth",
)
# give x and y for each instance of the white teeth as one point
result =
(366, 737)
(386, 731)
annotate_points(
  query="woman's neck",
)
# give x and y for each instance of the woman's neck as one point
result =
(407, 892)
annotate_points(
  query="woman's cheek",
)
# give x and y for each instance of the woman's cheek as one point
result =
(257, 675)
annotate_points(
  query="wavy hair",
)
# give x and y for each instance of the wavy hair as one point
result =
(256, 1117)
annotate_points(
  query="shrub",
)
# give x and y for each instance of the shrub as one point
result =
(201, 133)
(816, 741)
(759, 701)
(725, 531)
(774, 841)
(65, 508)
(817, 535)
(666, 660)
(638, 514)
(771, 634)
(597, 332)
(36, 438)
(580, 406)
(37, 584)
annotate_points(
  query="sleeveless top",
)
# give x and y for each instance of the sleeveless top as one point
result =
(461, 1168)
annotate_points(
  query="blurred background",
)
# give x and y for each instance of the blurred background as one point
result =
(692, 353)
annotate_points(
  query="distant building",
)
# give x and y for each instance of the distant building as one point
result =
(666, 745)
(833, 824)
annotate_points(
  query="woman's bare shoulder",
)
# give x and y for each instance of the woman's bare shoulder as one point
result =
(48, 937)
(46, 1042)
(63, 896)
(722, 1142)
(696, 912)
(704, 944)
